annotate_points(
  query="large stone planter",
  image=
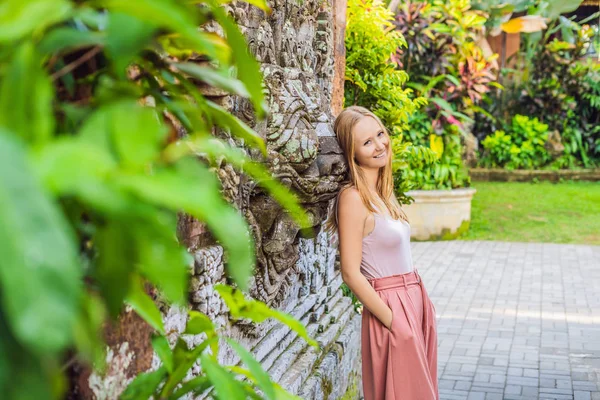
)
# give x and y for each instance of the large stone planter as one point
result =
(439, 214)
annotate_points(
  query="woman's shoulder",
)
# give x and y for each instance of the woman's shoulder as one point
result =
(350, 200)
(349, 193)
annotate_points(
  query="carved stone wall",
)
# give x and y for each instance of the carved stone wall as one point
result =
(296, 270)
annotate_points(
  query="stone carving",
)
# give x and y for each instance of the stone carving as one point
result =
(294, 45)
(554, 144)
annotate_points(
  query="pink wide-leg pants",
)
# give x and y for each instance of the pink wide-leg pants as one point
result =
(400, 363)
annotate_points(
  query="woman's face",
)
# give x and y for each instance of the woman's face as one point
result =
(371, 144)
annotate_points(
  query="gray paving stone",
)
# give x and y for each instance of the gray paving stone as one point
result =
(515, 320)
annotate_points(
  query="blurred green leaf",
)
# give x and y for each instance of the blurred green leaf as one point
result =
(226, 386)
(22, 376)
(216, 149)
(557, 7)
(26, 97)
(258, 373)
(262, 4)
(66, 39)
(136, 133)
(161, 258)
(144, 305)
(184, 360)
(87, 332)
(124, 48)
(19, 18)
(197, 385)
(162, 349)
(66, 164)
(282, 394)
(214, 78)
(114, 267)
(236, 127)
(175, 16)
(40, 276)
(175, 189)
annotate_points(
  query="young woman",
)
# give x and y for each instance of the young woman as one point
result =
(399, 338)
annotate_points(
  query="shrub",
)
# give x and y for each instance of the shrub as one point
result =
(372, 79)
(522, 148)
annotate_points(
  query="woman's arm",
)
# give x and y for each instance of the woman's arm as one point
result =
(352, 215)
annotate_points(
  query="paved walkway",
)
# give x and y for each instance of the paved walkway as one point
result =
(515, 320)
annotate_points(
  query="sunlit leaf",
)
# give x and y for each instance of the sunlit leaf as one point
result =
(144, 385)
(214, 78)
(436, 143)
(258, 373)
(236, 127)
(257, 311)
(198, 323)
(19, 18)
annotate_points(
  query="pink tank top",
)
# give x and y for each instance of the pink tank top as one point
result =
(386, 250)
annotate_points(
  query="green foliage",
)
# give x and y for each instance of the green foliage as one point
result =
(554, 82)
(522, 148)
(95, 171)
(220, 382)
(372, 79)
(443, 57)
(356, 304)
(449, 69)
(437, 166)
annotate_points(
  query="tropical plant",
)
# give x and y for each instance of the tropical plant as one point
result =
(559, 86)
(104, 139)
(372, 79)
(221, 382)
(522, 148)
(447, 67)
(439, 166)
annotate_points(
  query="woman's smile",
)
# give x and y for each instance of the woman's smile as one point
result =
(381, 154)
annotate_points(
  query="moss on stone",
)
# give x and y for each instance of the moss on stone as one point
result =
(326, 386)
(352, 393)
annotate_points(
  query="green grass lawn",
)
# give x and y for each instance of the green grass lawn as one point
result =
(567, 212)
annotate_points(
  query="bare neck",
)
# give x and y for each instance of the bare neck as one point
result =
(372, 176)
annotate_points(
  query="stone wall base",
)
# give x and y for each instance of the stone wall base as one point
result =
(503, 175)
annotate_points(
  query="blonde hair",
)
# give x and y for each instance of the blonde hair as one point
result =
(343, 127)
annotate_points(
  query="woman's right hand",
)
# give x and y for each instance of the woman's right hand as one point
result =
(389, 319)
